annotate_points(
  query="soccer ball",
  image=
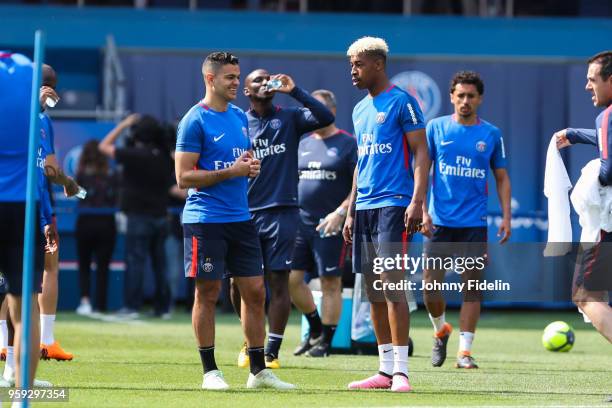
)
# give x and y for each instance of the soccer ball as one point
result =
(558, 336)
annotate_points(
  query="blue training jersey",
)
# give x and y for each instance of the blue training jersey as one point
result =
(219, 138)
(601, 137)
(275, 138)
(385, 176)
(45, 149)
(326, 174)
(461, 157)
(15, 94)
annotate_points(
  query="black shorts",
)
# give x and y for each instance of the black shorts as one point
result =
(323, 256)
(276, 229)
(463, 241)
(213, 251)
(12, 220)
(594, 264)
(378, 233)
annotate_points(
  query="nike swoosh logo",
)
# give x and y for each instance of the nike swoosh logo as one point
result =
(287, 262)
(331, 269)
(446, 142)
(358, 121)
(217, 138)
(387, 351)
(306, 153)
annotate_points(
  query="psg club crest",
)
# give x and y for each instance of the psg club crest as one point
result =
(423, 88)
(207, 266)
(275, 124)
(380, 118)
(332, 152)
(481, 146)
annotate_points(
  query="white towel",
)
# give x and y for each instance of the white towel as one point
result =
(557, 185)
(592, 202)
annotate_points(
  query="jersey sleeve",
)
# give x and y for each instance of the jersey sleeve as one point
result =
(582, 136)
(51, 137)
(410, 115)
(431, 140)
(605, 172)
(45, 210)
(498, 158)
(190, 135)
(245, 124)
(314, 115)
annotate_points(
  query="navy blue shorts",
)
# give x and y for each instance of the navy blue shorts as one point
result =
(320, 256)
(378, 233)
(593, 270)
(12, 219)
(213, 251)
(463, 241)
(276, 229)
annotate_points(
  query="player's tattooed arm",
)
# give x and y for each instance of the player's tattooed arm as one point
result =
(502, 180)
(56, 175)
(187, 176)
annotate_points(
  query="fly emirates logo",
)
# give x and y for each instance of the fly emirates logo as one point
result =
(262, 148)
(461, 168)
(369, 146)
(236, 152)
(315, 172)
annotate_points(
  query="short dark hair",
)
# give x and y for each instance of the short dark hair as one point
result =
(216, 60)
(328, 97)
(467, 77)
(605, 59)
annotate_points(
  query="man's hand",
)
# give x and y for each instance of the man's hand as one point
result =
(71, 187)
(242, 165)
(427, 228)
(255, 168)
(51, 238)
(413, 217)
(331, 224)
(562, 140)
(47, 92)
(505, 230)
(287, 82)
(129, 120)
(347, 231)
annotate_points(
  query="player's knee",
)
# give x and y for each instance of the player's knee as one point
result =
(331, 285)
(207, 292)
(296, 280)
(254, 297)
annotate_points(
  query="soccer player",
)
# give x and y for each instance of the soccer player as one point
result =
(15, 82)
(326, 162)
(593, 283)
(50, 171)
(275, 133)
(462, 147)
(387, 200)
(213, 160)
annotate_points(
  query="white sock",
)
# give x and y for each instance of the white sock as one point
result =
(465, 341)
(400, 360)
(47, 323)
(3, 334)
(438, 322)
(10, 358)
(385, 358)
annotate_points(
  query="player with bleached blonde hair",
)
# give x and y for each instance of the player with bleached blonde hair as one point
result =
(386, 203)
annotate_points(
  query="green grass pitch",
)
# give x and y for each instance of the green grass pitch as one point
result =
(150, 363)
